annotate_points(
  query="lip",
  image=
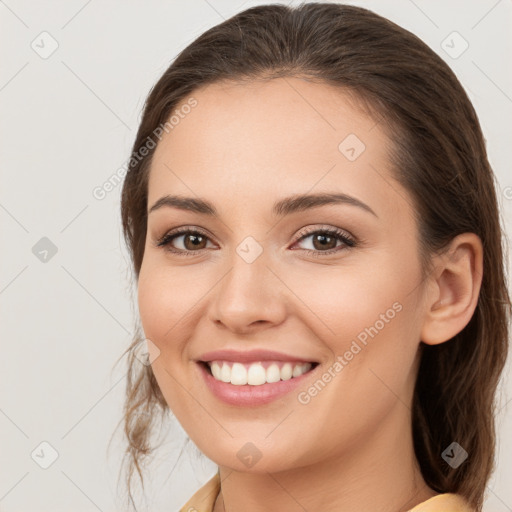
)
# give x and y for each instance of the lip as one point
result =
(251, 356)
(248, 395)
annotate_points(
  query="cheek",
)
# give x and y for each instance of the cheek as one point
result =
(345, 300)
(163, 314)
(378, 332)
(153, 302)
(369, 317)
(165, 298)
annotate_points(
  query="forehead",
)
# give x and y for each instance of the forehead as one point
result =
(268, 139)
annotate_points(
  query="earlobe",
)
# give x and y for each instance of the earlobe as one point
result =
(453, 289)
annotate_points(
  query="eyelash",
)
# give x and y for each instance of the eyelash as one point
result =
(166, 240)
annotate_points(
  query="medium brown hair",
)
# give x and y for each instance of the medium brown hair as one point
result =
(438, 156)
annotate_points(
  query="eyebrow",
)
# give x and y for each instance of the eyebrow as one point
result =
(286, 206)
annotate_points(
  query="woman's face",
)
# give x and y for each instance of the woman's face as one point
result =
(268, 289)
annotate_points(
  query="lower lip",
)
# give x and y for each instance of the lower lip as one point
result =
(247, 395)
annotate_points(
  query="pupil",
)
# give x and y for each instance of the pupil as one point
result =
(196, 240)
(324, 239)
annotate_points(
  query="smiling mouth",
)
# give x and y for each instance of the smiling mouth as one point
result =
(257, 373)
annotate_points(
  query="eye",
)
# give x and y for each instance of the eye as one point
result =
(192, 239)
(325, 241)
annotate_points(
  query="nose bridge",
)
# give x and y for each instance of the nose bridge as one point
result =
(249, 292)
(247, 276)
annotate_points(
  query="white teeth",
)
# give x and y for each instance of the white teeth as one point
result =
(225, 373)
(255, 374)
(286, 371)
(238, 374)
(216, 371)
(273, 373)
(297, 371)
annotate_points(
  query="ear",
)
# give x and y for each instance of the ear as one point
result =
(453, 289)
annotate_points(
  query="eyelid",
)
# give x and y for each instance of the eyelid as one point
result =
(309, 230)
(181, 231)
(342, 235)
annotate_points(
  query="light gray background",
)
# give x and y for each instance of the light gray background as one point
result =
(67, 124)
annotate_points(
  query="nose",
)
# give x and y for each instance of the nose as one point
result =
(249, 297)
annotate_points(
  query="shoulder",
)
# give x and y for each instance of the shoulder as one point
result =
(444, 503)
(204, 499)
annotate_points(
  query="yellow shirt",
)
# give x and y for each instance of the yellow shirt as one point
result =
(204, 499)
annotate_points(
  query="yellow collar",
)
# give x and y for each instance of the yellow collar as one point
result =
(204, 500)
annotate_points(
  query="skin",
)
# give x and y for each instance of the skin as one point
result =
(243, 147)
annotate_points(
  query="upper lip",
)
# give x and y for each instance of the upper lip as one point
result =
(250, 356)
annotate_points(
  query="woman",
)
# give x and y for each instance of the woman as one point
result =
(314, 230)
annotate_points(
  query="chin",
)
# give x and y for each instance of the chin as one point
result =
(255, 455)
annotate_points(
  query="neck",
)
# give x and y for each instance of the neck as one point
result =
(381, 475)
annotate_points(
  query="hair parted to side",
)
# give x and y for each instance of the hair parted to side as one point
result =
(438, 155)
